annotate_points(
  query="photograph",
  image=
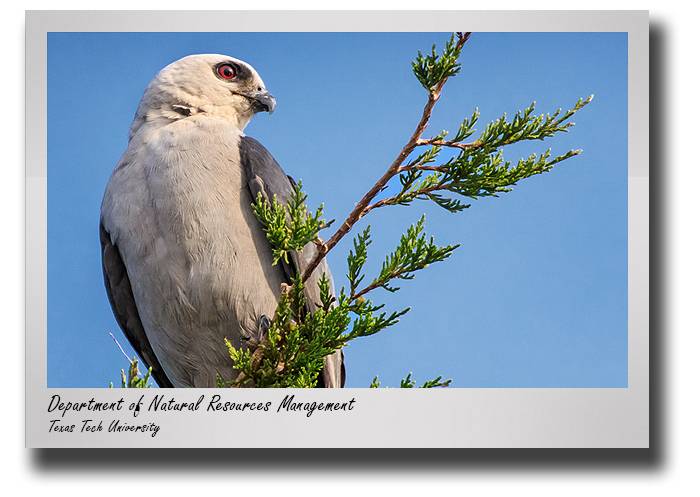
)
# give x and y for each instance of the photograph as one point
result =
(337, 209)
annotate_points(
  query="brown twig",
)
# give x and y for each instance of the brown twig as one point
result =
(374, 286)
(453, 144)
(423, 168)
(363, 206)
(392, 200)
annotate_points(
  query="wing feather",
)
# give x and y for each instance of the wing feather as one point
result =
(121, 298)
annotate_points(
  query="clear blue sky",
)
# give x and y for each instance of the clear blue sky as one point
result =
(535, 297)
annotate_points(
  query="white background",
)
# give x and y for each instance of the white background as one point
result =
(673, 466)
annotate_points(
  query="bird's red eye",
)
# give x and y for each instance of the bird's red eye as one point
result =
(226, 71)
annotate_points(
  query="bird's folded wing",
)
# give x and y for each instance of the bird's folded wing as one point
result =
(121, 298)
(265, 176)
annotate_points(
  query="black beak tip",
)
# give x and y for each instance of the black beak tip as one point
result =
(264, 102)
(259, 106)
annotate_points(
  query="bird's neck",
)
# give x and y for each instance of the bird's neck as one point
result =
(156, 119)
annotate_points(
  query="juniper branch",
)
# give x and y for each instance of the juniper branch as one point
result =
(292, 353)
(479, 169)
(409, 382)
(288, 227)
(414, 252)
(448, 66)
(133, 378)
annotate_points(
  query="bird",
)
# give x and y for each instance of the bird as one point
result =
(186, 263)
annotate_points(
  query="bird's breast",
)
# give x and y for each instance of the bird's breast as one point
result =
(203, 204)
(199, 263)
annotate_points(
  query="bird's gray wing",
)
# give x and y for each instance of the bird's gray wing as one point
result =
(264, 175)
(121, 298)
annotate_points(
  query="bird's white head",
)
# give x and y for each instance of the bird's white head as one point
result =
(205, 85)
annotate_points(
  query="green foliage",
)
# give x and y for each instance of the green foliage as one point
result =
(413, 253)
(409, 382)
(479, 169)
(292, 353)
(434, 383)
(288, 226)
(526, 125)
(466, 128)
(133, 378)
(357, 259)
(434, 68)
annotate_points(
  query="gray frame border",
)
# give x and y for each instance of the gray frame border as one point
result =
(461, 417)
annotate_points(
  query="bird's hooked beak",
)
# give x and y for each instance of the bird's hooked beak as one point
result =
(263, 102)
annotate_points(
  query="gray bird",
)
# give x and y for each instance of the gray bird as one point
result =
(185, 260)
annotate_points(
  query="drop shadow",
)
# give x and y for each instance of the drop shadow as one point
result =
(296, 461)
(658, 210)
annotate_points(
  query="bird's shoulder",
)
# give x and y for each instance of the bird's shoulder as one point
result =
(264, 173)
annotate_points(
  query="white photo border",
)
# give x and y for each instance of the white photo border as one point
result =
(382, 418)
